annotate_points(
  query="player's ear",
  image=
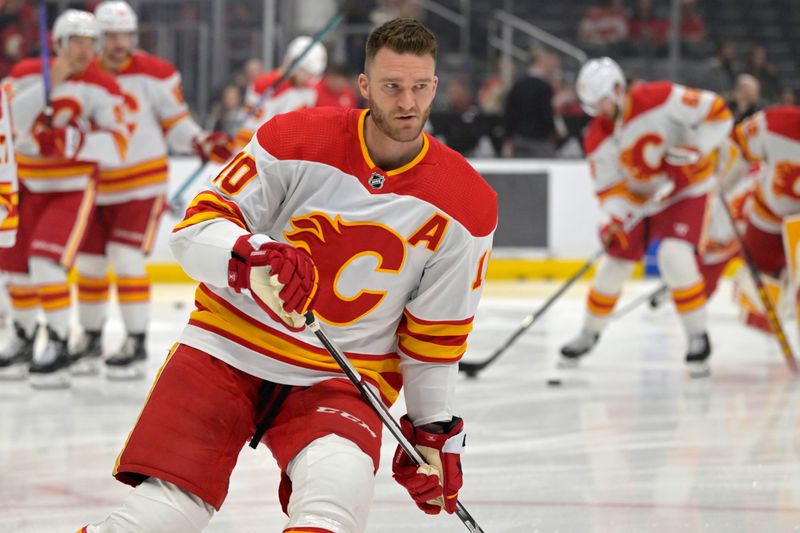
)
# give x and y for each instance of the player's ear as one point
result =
(363, 85)
(435, 84)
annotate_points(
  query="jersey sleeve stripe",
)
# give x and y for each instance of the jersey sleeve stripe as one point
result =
(208, 206)
(740, 139)
(719, 111)
(169, 123)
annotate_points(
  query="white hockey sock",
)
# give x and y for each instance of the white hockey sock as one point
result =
(678, 266)
(133, 286)
(54, 295)
(332, 485)
(24, 301)
(157, 505)
(605, 291)
(92, 291)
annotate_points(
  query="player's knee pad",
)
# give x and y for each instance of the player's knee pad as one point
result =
(157, 505)
(677, 263)
(611, 274)
(44, 270)
(91, 265)
(332, 486)
(127, 260)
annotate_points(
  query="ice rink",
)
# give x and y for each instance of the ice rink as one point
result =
(628, 443)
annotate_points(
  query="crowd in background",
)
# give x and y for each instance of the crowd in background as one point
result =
(511, 110)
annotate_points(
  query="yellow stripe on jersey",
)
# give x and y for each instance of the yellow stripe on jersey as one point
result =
(218, 316)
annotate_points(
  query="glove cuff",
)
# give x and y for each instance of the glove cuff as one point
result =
(242, 252)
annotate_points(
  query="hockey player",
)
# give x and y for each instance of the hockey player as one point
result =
(57, 159)
(656, 135)
(9, 202)
(384, 233)
(297, 91)
(771, 139)
(130, 195)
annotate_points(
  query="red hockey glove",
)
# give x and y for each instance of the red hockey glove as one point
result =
(433, 486)
(614, 232)
(281, 278)
(216, 146)
(63, 143)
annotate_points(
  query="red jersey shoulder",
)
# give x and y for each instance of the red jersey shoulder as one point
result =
(317, 134)
(149, 65)
(600, 129)
(645, 96)
(455, 187)
(26, 67)
(784, 120)
(94, 75)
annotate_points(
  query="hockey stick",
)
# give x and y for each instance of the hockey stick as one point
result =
(45, 55)
(176, 201)
(380, 409)
(633, 304)
(772, 316)
(471, 369)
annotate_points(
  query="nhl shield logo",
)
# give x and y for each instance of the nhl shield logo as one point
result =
(376, 180)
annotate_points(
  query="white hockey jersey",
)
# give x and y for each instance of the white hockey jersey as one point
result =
(660, 115)
(285, 97)
(91, 100)
(772, 138)
(401, 254)
(9, 201)
(156, 116)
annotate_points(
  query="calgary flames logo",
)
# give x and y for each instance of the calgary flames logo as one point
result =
(635, 159)
(785, 180)
(335, 245)
(65, 110)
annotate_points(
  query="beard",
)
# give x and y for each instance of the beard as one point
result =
(397, 133)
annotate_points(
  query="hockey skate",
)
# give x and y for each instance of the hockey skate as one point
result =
(16, 357)
(50, 369)
(697, 355)
(88, 354)
(572, 352)
(129, 362)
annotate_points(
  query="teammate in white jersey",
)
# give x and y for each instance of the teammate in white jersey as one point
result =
(381, 230)
(130, 195)
(57, 159)
(657, 136)
(9, 200)
(266, 98)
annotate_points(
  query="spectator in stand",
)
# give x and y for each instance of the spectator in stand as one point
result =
(457, 124)
(386, 10)
(648, 29)
(529, 123)
(227, 114)
(693, 29)
(335, 89)
(789, 96)
(491, 99)
(746, 97)
(604, 26)
(252, 69)
(19, 33)
(767, 74)
(720, 74)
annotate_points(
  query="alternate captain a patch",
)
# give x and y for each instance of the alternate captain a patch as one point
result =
(376, 180)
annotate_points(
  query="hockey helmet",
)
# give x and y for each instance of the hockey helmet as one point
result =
(116, 16)
(314, 61)
(74, 22)
(597, 80)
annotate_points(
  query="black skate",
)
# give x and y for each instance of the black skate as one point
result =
(572, 352)
(129, 362)
(50, 369)
(16, 357)
(697, 355)
(88, 354)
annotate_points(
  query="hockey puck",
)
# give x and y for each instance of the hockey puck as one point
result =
(553, 382)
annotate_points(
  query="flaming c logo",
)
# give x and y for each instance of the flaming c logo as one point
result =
(65, 110)
(634, 159)
(785, 181)
(334, 245)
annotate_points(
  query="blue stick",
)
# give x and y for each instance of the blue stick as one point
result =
(44, 51)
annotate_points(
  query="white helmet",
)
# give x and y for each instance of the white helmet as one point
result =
(115, 16)
(596, 80)
(315, 60)
(75, 22)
